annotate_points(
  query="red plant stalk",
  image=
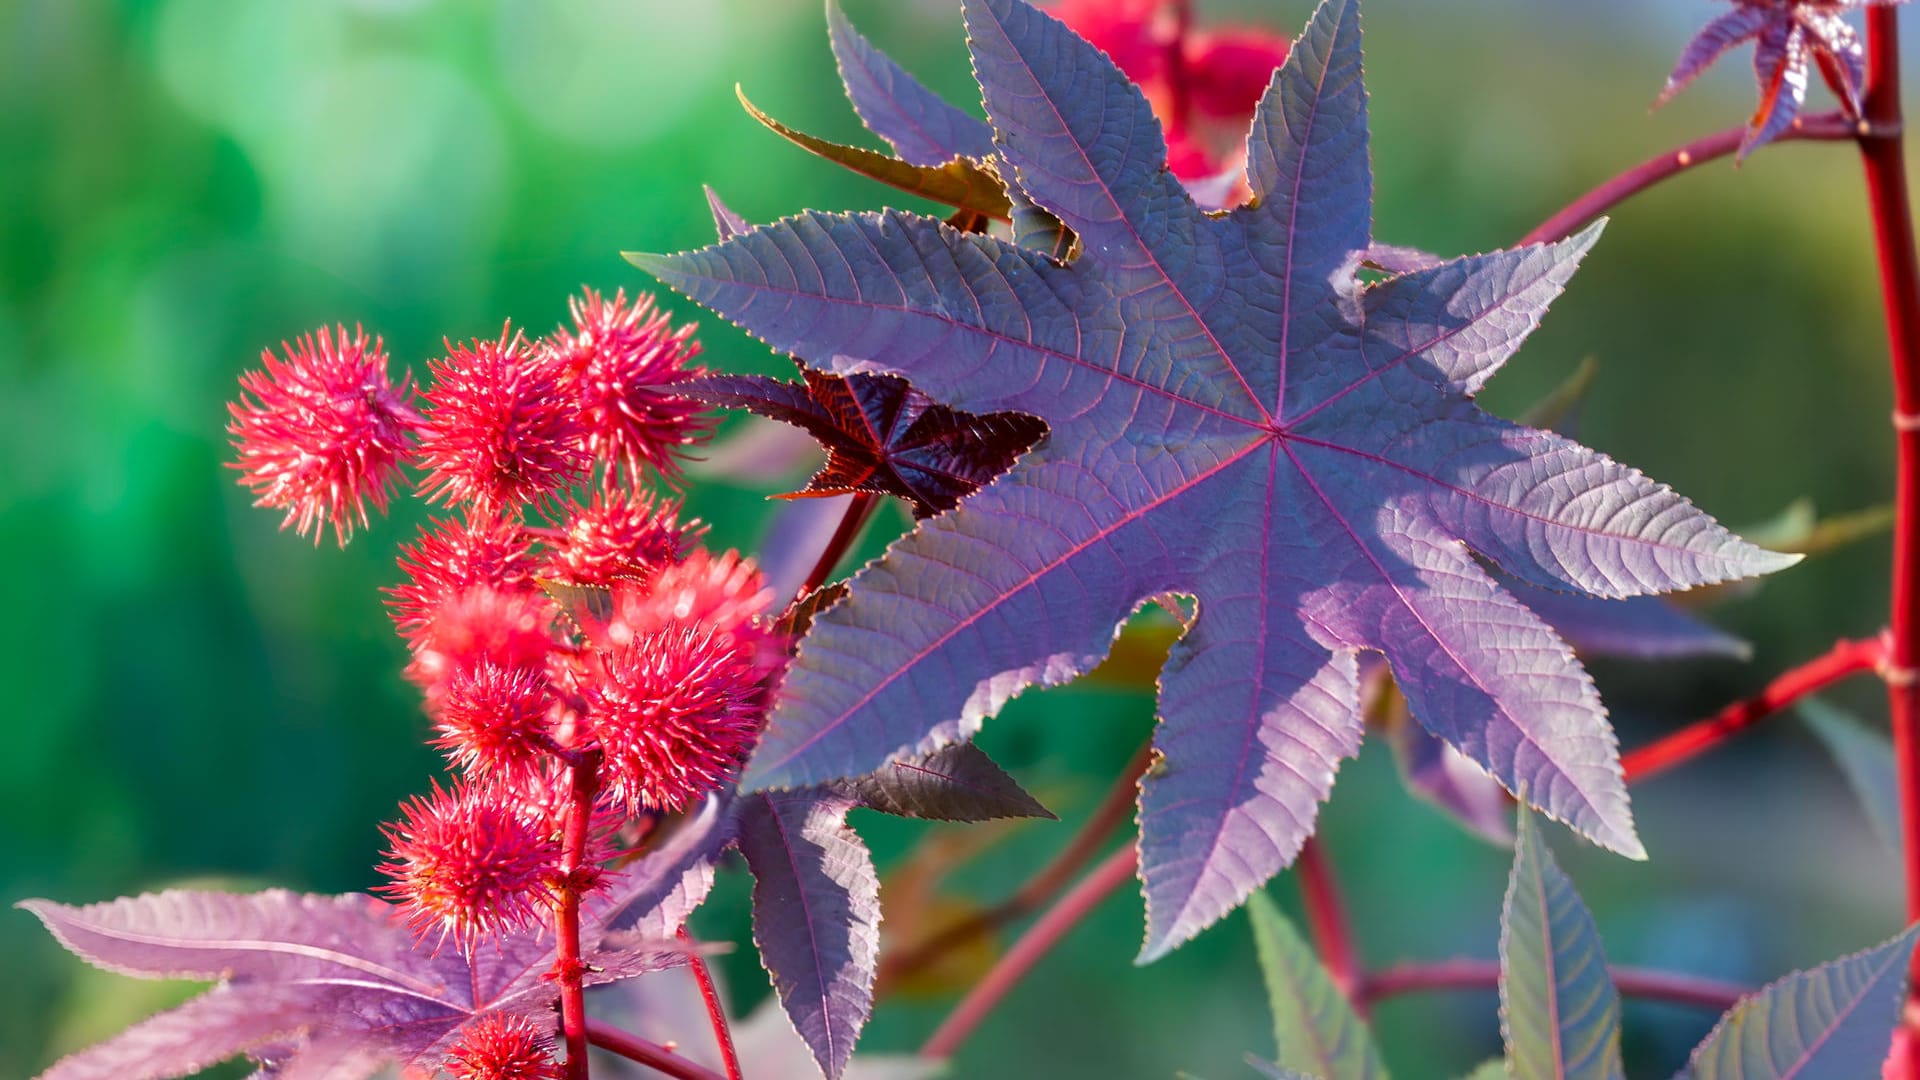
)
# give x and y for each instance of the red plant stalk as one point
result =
(1846, 658)
(716, 1011)
(569, 969)
(1831, 126)
(1883, 154)
(634, 1048)
(1708, 994)
(1114, 871)
(1327, 919)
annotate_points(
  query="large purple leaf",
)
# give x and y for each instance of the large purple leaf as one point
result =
(1636, 628)
(1558, 1008)
(1833, 1021)
(816, 915)
(921, 127)
(335, 986)
(1233, 417)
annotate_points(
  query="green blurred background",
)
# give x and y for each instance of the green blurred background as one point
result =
(198, 697)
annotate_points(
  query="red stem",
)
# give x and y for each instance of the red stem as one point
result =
(716, 1012)
(1883, 154)
(634, 1048)
(569, 969)
(1828, 126)
(1327, 919)
(1114, 809)
(1485, 974)
(1114, 871)
(858, 511)
(1845, 659)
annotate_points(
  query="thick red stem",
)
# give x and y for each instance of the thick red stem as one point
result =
(716, 1011)
(859, 509)
(1846, 658)
(1327, 919)
(1114, 871)
(569, 969)
(1883, 153)
(1829, 126)
(1114, 809)
(654, 1056)
(1485, 974)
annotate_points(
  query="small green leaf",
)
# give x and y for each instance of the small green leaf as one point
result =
(1490, 1070)
(1831, 1023)
(1558, 1008)
(962, 183)
(1316, 1028)
(1866, 757)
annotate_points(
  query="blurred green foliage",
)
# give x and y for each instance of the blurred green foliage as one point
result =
(199, 697)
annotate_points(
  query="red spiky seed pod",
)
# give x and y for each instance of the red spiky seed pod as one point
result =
(675, 713)
(472, 861)
(324, 431)
(622, 359)
(498, 1046)
(452, 556)
(724, 591)
(511, 629)
(503, 429)
(620, 537)
(496, 721)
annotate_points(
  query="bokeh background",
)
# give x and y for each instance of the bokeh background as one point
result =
(194, 697)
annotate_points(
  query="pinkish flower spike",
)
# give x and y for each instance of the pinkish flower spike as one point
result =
(503, 430)
(621, 360)
(323, 431)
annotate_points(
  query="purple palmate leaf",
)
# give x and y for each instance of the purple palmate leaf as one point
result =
(1233, 417)
(816, 915)
(336, 986)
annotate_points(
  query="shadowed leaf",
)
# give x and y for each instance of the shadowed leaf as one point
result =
(816, 916)
(1866, 758)
(921, 127)
(954, 783)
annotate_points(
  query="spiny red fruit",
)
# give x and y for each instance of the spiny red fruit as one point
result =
(324, 431)
(482, 624)
(494, 721)
(621, 361)
(471, 862)
(675, 712)
(503, 429)
(452, 556)
(724, 591)
(621, 536)
(498, 1046)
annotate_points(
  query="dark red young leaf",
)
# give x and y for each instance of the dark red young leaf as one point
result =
(881, 435)
(1789, 37)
